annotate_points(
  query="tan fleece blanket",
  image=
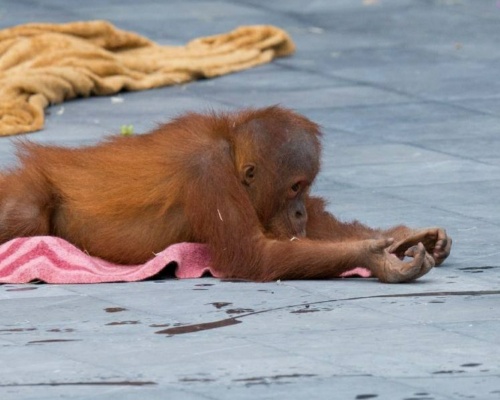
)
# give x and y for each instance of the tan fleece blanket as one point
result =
(43, 64)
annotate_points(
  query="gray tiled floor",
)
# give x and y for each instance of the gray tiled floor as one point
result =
(409, 97)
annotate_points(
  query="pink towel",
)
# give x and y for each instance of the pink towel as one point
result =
(54, 260)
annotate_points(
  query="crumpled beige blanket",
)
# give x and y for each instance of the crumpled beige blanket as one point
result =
(43, 64)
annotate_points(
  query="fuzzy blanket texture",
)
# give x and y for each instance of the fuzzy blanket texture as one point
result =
(43, 64)
(54, 260)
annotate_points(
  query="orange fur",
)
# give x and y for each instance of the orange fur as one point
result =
(238, 182)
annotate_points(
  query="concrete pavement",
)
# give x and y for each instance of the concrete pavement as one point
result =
(408, 94)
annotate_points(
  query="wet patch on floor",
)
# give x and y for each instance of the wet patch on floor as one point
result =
(193, 380)
(179, 330)
(305, 311)
(239, 310)
(22, 289)
(90, 383)
(275, 379)
(220, 304)
(449, 372)
(114, 309)
(477, 270)
(14, 330)
(53, 341)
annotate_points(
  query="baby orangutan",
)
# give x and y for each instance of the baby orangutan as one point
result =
(238, 182)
